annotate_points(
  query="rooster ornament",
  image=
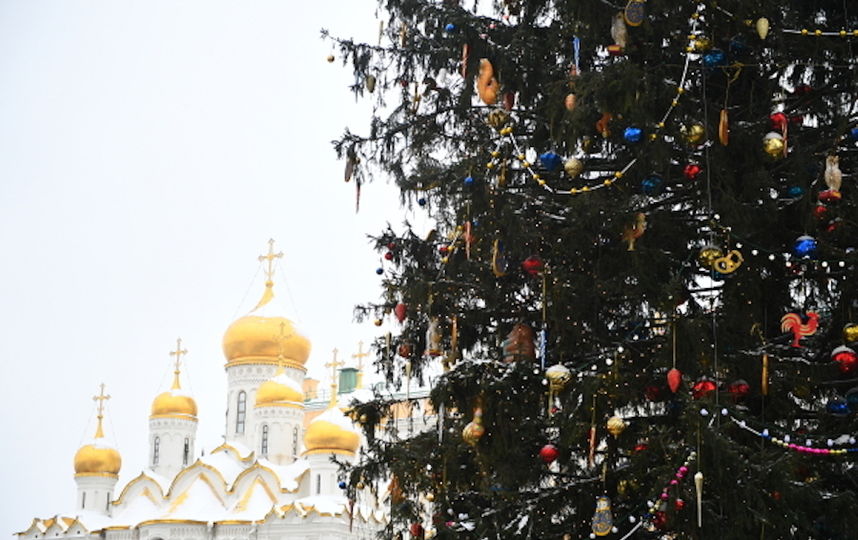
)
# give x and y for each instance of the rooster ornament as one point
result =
(792, 322)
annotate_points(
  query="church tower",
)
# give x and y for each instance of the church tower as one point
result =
(258, 347)
(96, 468)
(172, 425)
(329, 434)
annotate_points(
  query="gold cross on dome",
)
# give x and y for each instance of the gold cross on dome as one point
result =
(178, 352)
(269, 272)
(100, 398)
(360, 355)
(333, 364)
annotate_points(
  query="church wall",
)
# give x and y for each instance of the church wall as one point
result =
(171, 433)
(285, 432)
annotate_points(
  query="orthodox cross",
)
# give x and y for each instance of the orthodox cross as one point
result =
(360, 355)
(100, 398)
(333, 364)
(178, 353)
(269, 272)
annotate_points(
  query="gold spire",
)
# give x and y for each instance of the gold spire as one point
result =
(360, 355)
(268, 294)
(333, 364)
(100, 398)
(178, 354)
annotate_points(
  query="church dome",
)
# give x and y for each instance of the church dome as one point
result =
(97, 458)
(174, 403)
(279, 391)
(331, 431)
(263, 337)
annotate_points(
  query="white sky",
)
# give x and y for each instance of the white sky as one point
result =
(148, 150)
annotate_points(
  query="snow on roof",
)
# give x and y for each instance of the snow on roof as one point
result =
(335, 416)
(162, 481)
(285, 380)
(288, 474)
(226, 464)
(136, 511)
(254, 504)
(199, 502)
(325, 504)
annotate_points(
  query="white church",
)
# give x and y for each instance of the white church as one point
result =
(272, 478)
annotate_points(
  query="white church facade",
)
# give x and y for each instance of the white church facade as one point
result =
(272, 478)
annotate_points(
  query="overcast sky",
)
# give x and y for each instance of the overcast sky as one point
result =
(148, 151)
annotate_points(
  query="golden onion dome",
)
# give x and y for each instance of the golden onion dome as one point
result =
(97, 457)
(332, 432)
(174, 402)
(261, 337)
(279, 391)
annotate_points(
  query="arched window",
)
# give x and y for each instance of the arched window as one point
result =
(83, 500)
(156, 450)
(264, 446)
(186, 454)
(107, 503)
(295, 441)
(240, 412)
(318, 484)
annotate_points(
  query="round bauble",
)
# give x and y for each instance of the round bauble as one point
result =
(533, 265)
(550, 160)
(330, 58)
(691, 171)
(400, 311)
(714, 58)
(616, 425)
(652, 184)
(632, 134)
(558, 377)
(497, 118)
(378, 322)
(708, 255)
(388, 256)
(359, 486)
(421, 201)
(739, 389)
(404, 350)
(342, 485)
(549, 453)
(820, 211)
(430, 497)
(573, 167)
(837, 407)
(850, 333)
(694, 134)
(569, 102)
(370, 83)
(773, 144)
(703, 388)
(805, 247)
(846, 358)
(379, 270)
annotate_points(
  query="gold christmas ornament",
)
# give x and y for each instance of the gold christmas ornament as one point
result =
(724, 128)
(474, 431)
(430, 497)
(573, 167)
(363, 418)
(616, 426)
(694, 134)
(850, 333)
(497, 118)
(487, 84)
(708, 255)
(360, 486)
(728, 263)
(330, 58)
(701, 44)
(370, 83)
(773, 144)
(762, 26)
(558, 377)
(569, 102)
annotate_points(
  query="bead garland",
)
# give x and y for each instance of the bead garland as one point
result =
(785, 442)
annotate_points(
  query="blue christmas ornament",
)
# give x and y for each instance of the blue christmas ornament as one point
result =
(805, 247)
(714, 58)
(854, 133)
(379, 270)
(342, 484)
(652, 184)
(469, 180)
(421, 201)
(632, 134)
(450, 28)
(738, 45)
(794, 192)
(550, 160)
(837, 407)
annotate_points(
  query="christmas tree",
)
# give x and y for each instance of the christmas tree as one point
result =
(640, 280)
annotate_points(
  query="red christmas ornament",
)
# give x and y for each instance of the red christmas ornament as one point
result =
(691, 171)
(778, 121)
(830, 196)
(641, 447)
(391, 246)
(400, 310)
(739, 389)
(834, 225)
(549, 453)
(533, 265)
(820, 211)
(679, 504)
(443, 250)
(776, 495)
(847, 360)
(389, 255)
(509, 101)
(659, 520)
(404, 350)
(653, 392)
(416, 530)
(703, 388)
(674, 379)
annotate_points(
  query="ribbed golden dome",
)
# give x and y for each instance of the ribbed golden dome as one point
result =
(97, 457)
(170, 403)
(331, 431)
(259, 337)
(279, 391)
